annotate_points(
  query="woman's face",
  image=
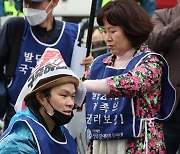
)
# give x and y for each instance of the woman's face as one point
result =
(115, 39)
(62, 98)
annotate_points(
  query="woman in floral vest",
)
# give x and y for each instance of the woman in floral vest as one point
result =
(129, 89)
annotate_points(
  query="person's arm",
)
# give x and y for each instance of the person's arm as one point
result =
(19, 141)
(141, 79)
(97, 86)
(87, 62)
(6, 37)
(164, 33)
(18, 146)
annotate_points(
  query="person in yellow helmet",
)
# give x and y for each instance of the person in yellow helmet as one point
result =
(104, 2)
(12, 8)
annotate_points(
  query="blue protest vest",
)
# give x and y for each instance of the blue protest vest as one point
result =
(114, 118)
(31, 51)
(45, 143)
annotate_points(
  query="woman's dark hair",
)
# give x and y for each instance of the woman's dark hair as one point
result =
(33, 103)
(131, 17)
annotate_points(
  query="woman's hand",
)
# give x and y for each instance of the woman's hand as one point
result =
(87, 62)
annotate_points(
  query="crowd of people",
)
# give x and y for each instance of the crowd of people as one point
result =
(132, 98)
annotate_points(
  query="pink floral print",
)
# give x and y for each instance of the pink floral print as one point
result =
(143, 84)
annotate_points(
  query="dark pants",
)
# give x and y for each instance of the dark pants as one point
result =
(9, 114)
(172, 145)
(172, 132)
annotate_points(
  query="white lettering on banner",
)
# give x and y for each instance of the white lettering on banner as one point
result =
(104, 107)
(102, 136)
(103, 97)
(107, 119)
(122, 119)
(95, 106)
(115, 119)
(98, 96)
(23, 68)
(97, 118)
(38, 58)
(28, 57)
(94, 95)
(96, 136)
(89, 118)
(118, 135)
(96, 130)
(31, 68)
(115, 106)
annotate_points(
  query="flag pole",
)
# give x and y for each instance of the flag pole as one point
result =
(91, 26)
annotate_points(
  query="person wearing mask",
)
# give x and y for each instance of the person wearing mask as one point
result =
(50, 99)
(41, 30)
(165, 39)
(129, 89)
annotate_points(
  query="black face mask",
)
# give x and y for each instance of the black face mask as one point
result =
(58, 117)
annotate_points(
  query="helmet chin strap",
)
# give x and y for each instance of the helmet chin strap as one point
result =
(50, 114)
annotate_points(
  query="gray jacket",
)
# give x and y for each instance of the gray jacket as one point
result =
(165, 39)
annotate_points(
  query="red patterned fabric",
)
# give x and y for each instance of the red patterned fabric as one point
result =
(165, 3)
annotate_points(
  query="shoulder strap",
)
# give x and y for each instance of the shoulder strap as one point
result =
(12, 62)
